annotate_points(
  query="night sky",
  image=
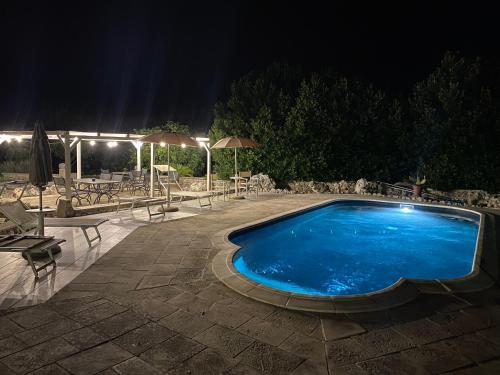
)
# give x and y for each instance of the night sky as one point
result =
(122, 65)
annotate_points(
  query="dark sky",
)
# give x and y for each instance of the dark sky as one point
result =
(121, 65)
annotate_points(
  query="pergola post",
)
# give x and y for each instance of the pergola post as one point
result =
(67, 165)
(79, 160)
(151, 175)
(138, 145)
(209, 166)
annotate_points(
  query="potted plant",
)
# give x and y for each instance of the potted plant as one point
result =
(418, 184)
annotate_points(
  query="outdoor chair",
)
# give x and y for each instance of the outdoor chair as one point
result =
(137, 182)
(26, 221)
(114, 187)
(105, 176)
(76, 192)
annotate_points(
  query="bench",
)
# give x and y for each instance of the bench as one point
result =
(147, 201)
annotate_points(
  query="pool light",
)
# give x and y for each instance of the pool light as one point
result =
(406, 208)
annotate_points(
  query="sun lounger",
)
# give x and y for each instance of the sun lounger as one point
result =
(144, 201)
(27, 245)
(25, 221)
(195, 194)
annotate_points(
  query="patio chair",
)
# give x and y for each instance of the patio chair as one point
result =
(76, 192)
(246, 183)
(26, 221)
(114, 187)
(137, 182)
(105, 176)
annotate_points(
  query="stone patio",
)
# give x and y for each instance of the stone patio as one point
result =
(151, 305)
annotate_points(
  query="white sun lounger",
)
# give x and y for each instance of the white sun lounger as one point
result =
(146, 201)
(25, 221)
(195, 194)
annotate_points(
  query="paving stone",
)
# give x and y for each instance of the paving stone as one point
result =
(38, 356)
(118, 324)
(436, 358)
(48, 331)
(8, 327)
(96, 359)
(143, 338)
(217, 292)
(392, 364)
(295, 321)
(10, 345)
(227, 341)
(383, 341)
(97, 313)
(459, 323)
(169, 258)
(4, 370)
(72, 306)
(207, 362)
(310, 368)
(191, 303)
(305, 347)
(345, 352)
(53, 369)
(153, 308)
(422, 331)
(193, 262)
(474, 347)
(241, 369)
(252, 307)
(335, 328)
(169, 354)
(187, 324)
(135, 366)
(265, 331)
(153, 281)
(269, 359)
(492, 334)
(351, 370)
(225, 315)
(84, 338)
(371, 320)
(184, 275)
(34, 316)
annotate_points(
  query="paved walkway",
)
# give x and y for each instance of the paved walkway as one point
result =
(152, 305)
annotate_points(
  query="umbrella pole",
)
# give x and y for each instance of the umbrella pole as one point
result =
(235, 172)
(168, 175)
(41, 229)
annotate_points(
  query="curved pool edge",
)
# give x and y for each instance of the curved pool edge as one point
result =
(399, 293)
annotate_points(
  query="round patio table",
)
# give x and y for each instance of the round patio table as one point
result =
(95, 185)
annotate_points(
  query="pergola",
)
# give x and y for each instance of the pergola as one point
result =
(72, 140)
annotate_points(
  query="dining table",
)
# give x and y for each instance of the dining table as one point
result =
(96, 186)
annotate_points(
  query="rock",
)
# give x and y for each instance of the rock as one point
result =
(264, 182)
(198, 186)
(360, 187)
(64, 208)
(471, 197)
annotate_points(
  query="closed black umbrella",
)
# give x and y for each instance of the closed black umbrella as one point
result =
(40, 172)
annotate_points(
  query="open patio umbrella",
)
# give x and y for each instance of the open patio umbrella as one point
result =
(166, 139)
(40, 170)
(235, 142)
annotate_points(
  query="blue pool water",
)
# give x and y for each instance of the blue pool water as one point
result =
(356, 247)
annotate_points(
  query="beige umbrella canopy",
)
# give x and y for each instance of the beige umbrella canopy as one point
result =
(235, 142)
(166, 139)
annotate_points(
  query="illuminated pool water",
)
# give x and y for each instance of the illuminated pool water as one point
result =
(355, 247)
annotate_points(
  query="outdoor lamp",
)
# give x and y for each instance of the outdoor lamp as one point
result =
(92, 143)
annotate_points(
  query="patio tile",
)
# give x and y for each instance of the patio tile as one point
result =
(459, 323)
(305, 347)
(162, 269)
(269, 359)
(53, 369)
(153, 308)
(96, 359)
(475, 347)
(184, 275)
(382, 342)
(241, 369)
(492, 334)
(8, 327)
(48, 331)
(10, 345)
(265, 331)
(310, 368)
(335, 327)
(294, 320)
(254, 308)
(345, 352)
(227, 341)
(34, 317)
(84, 338)
(38, 356)
(153, 281)
(207, 362)
(97, 313)
(436, 358)
(143, 338)
(187, 324)
(168, 354)
(191, 303)
(225, 315)
(422, 331)
(135, 366)
(392, 364)
(118, 324)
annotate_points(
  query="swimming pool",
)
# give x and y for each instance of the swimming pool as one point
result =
(357, 247)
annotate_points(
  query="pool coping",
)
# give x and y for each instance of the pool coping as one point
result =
(402, 291)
